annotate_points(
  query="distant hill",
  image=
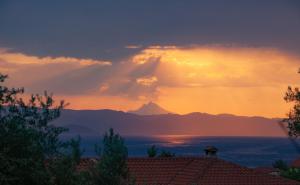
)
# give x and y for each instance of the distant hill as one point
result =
(91, 122)
(150, 109)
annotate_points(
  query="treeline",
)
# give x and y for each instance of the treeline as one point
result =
(31, 152)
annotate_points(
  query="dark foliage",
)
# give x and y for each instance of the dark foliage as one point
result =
(112, 167)
(165, 153)
(152, 151)
(293, 120)
(30, 149)
(291, 173)
(280, 164)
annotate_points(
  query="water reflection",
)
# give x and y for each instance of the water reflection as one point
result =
(175, 140)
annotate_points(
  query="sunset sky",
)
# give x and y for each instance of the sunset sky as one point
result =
(214, 56)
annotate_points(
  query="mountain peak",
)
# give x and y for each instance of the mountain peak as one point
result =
(150, 103)
(150, 108)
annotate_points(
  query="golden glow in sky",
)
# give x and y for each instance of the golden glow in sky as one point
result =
(213, 79)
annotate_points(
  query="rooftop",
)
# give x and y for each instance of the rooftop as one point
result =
(194, 170)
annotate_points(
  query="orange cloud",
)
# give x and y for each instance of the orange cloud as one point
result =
(20, 58)
(243, 81)
(104, 88)
(62, 75)
(133, 46)
(236, 80)
(146, 81)
(219, 66)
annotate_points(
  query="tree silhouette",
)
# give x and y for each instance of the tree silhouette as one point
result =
(112, 167)
(293, 120)
(30, 149)
(152, 151)
(165, 153)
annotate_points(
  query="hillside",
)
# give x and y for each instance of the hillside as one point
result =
(90, 122)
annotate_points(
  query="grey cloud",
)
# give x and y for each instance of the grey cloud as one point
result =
(102, 28)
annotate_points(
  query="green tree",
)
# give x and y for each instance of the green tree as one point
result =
(63, 170)
(291, 173)
(28, 142)
(293, 121)
(112, 167)
(152, 151)
(293, 124)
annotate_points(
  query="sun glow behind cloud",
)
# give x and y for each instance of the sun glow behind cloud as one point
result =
(213, 79)
(244, 81)
(221, 66)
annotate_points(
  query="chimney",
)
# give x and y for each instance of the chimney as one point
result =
(210, 151)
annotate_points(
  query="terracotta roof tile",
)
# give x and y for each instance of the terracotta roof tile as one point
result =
(267, 170)
(225, 173)
(194, 170)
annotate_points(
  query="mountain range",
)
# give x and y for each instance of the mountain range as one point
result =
(95, 122)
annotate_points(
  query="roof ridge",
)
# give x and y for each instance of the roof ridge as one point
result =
(181, 170)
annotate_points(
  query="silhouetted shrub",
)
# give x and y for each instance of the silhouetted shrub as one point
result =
(166, 154)
(152, 151)
(112, 167)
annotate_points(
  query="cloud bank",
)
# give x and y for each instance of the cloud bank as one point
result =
(214, 79)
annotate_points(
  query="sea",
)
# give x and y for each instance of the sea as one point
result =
(246, 151)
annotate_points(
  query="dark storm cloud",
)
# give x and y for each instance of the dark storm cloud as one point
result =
(102, 29)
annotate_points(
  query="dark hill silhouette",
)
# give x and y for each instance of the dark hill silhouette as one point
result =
(90, 122)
